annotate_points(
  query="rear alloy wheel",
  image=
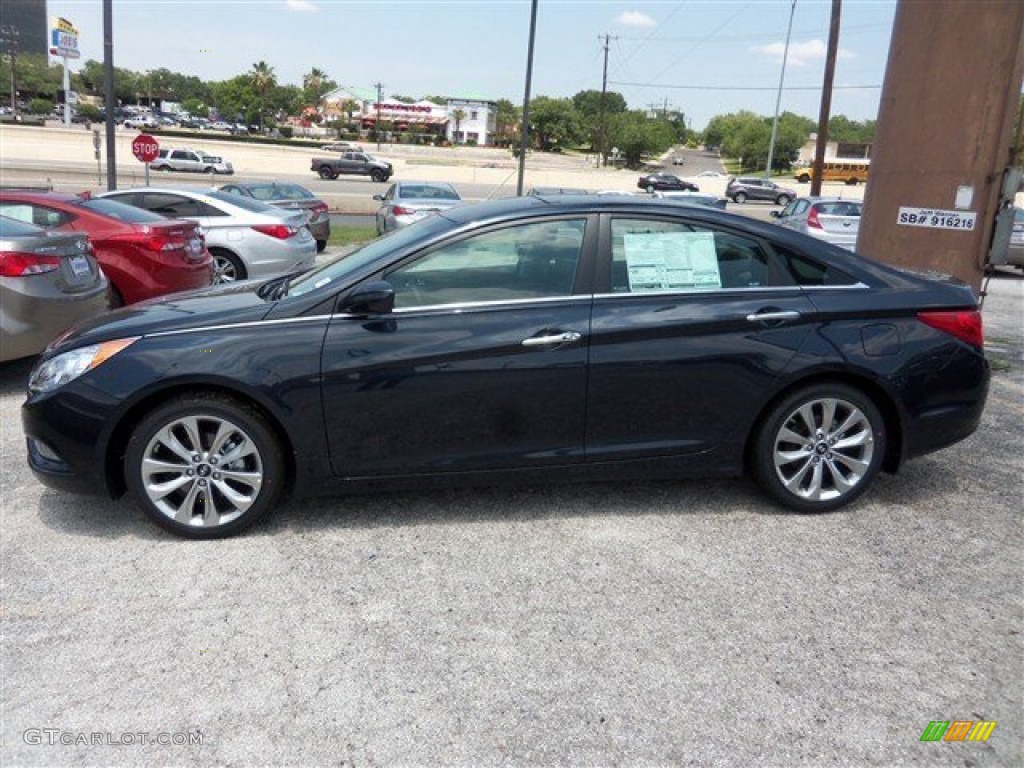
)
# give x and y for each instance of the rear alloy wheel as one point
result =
(820, 448)
(227, 268)
(325, 173)
(782, 200)
(650, 189)
(204, 466)
(378, 175)
(740, 197)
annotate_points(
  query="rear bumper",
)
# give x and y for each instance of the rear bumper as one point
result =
(31, 322)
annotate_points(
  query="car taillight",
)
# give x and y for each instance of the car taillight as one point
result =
(964, 324)
(18, 264)
(162, 243)
(812, 218)
(319, 208)
(280, 231)
(400, 211)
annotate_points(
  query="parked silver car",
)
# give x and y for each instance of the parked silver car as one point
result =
(48, 281)
(192, 161)
(1015, 255)
(292, 197)
(246, 238)
(407, 202)
(831, 219)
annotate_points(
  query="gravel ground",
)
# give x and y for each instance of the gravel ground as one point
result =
(677, 623)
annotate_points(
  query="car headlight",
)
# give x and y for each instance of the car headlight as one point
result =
(59, 370)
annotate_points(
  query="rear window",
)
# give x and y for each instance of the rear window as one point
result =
(839, 208)
(121, 211)
(12, 228)
(279, 192)
(245, 203)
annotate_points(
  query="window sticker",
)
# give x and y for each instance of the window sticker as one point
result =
(671, 261)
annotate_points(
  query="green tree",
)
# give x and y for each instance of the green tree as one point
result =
(262, 78)
(315, 85)
(507, 117)
(635, 135)
(553, 123)
(588, 110)
(458, 115)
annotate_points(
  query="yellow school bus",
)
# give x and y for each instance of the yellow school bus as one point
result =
(848, 171)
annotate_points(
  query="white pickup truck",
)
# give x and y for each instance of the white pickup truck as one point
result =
(191, 160)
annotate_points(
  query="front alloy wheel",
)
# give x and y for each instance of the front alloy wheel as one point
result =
(820, 448)
(204, 467)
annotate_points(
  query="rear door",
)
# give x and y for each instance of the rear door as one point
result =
(692, 325)
(482, 365)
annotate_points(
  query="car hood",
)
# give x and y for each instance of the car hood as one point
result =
(217, 305)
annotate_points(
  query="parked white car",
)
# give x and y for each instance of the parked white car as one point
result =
(192, 161)
(831, 219)
(246, 238)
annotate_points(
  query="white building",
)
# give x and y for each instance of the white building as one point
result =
(471, 121)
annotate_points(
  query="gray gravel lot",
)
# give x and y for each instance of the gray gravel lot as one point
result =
(676, 623)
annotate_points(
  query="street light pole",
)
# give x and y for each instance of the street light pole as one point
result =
(379, 85)
(524, 137)
(108, 91)
(778, 98)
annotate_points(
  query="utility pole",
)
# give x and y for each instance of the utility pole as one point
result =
(9, 35)
(108, 92)
(778, 98)
(601, 156)
(826, 97)
(524, 132)
(379, 85)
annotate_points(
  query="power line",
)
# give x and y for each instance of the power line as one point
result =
(742, 87)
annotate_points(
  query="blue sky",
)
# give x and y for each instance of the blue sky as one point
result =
(703, 57)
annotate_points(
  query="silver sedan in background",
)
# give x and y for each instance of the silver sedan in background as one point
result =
(407, 202)
(831, 219)
(48, 281)
(246, 238)
(292, 197)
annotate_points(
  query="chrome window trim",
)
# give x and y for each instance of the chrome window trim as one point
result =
(719, 291)
(231, 326)
(464, 305)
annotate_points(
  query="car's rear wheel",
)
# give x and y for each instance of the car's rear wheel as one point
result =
(783, 200)
(852, 182)
(227, 267)
(820, 448)
(204, 466)
(378, 175)
(321, 245)
(740, 197)
(650, 189)
(325, 173)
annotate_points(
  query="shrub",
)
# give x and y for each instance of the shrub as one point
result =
(40, 107)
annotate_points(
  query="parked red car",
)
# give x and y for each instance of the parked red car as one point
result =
(142, 253)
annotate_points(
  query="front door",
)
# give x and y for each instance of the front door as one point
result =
(482, 364)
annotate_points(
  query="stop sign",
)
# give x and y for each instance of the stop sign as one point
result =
(145, 148)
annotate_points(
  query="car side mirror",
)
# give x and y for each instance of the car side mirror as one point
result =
(775, 214)
(374, 298)
(379, 197)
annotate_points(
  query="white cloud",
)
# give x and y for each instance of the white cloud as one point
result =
(304, 6)
(800, 54)
(636, 19)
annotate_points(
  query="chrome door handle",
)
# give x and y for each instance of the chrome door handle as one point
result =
(773, 317)
(558, 338)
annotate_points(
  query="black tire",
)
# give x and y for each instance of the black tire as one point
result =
(378, 175)
(325, 173)
(209, 169)
(116, 298)
(819, 470)
(241, 490)
(851, 182)
(650, 189)
(321, 245)
(783, 200)
(803, 178)
(227, 266)
(739, 197)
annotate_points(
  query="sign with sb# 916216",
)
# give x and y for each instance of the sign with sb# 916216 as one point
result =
(935, 219)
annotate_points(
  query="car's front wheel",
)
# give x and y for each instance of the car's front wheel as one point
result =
(820, 448)
(204, 466)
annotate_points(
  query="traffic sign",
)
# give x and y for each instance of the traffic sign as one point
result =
(145, 148)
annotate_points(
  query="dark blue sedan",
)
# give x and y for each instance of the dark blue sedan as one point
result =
(535, 339)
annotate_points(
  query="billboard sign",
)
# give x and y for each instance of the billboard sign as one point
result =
(64, 38)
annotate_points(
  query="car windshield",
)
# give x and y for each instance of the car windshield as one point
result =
(429, 191)
(336, 271)
(121, 211)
